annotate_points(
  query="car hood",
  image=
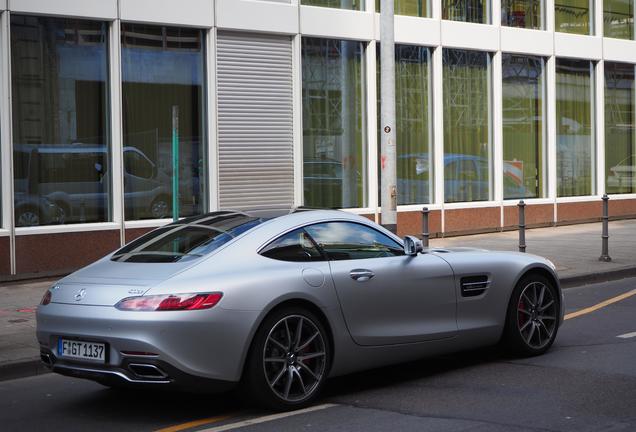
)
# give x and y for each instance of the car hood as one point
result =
(453, 249)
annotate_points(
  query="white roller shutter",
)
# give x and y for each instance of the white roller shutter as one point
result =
(255, 120)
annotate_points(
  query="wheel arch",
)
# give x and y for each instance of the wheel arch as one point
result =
(291, 302)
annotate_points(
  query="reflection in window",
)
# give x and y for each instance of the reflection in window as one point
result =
(339, 4)
(574, 16)
(574, 117)
(351, 241)
(413, 123)
(618, 19)
(334, 141)
(295, 246)
(60, 120)
(474, 11)
(467, 125)
(522, 13)
(162, 67)
(620, 144)
(523, 126)
(416, 8)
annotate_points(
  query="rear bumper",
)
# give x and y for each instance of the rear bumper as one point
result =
(136, 373)
(207, 345)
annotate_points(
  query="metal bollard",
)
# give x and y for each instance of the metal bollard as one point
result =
(425, 233)
(605, 236)
(522, 226)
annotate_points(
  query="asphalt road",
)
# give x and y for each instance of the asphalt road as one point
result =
(586, 382)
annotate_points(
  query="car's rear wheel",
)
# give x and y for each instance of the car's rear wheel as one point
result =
(288, 360)
(533, 316)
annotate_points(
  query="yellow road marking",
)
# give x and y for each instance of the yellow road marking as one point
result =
(600, 305)
(195, 423)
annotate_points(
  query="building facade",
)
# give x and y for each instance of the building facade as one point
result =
(114, 114)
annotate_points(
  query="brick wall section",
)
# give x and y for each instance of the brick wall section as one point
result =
(133, 233)
(64, 252)
(5, 256)
(410, 223)
(536, 215)
(579, 212)
(622, 208)
(466, 221)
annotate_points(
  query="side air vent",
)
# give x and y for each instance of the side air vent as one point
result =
(473, 286)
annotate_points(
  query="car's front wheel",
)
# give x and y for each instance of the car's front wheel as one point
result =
(533, 316)
(289, 360)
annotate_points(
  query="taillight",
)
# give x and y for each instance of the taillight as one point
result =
(170, 302)
(46, 299)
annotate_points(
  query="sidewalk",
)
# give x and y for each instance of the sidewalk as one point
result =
(574, 249)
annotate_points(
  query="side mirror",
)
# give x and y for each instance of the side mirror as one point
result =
(412, 246)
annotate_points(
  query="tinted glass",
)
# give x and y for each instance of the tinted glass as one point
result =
(293, 246)
(417, 8)
(162, 82)
(618, 19)
(522, 13)
(575, 127)
(573, 16)
(350, 241)
(474, 11)
(620, 140)
(60, 120)
(339, 4)
(413, 123)
(523, 126)
(184, 241)
(467, 125)
(334, 139)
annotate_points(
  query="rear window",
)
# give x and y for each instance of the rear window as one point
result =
(186, 240)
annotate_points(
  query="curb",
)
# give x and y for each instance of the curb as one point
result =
(592, 278)
(22, 369)
(34, 366)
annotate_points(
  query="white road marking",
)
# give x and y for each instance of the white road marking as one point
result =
(268, 418)
(627, 335)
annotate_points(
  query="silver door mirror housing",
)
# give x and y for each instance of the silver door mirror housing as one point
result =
(412, 246)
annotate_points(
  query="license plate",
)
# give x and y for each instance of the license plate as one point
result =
(82, 350)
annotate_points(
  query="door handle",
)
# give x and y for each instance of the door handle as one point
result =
(361, 275)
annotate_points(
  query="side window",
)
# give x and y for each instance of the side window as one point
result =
(136, 165)
(294, 246)
(349, 241)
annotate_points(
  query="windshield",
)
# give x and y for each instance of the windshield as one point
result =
(187, 239)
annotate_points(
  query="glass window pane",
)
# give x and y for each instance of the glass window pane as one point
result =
(334, 139)
(474, 11)
(295, 246)
(575, 131)
(349, 241)
(620, 143)
(163, 68)
(523, 126)
(467, 125)
(522, 13)
(340, 4)
(618, 19)
(413, 124)
(573, 16)
(60, 120)
(416, 8)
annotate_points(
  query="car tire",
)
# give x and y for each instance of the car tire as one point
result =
(27, 216)
(284, 371)
(533, 315)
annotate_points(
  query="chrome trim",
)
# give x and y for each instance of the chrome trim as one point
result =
(110, 372)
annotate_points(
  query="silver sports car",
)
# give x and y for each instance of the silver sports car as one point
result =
(279, 301)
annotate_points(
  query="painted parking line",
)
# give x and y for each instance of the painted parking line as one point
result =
(268, 418)
(195, 423)
(627, 335)
(601, 305)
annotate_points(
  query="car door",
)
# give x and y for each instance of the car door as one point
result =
(386, 296)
